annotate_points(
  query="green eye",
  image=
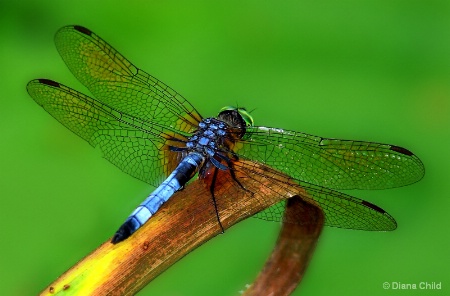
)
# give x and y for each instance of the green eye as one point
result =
(246, 116)
(248, 119)
(228, 108)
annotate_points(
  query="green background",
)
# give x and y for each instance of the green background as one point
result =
(368, 70)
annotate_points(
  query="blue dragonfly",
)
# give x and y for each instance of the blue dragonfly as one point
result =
(151, 132)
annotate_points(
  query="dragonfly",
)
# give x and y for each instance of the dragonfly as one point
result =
(151, 132)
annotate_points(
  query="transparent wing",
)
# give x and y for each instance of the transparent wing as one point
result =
(270, 188)
(333, 163)
(135, 146)
(341, 210)
(115, 81)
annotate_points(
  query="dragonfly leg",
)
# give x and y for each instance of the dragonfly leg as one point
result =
(211, 189)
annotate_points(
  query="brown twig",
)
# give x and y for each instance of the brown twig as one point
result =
(295, 246)
(186, 221)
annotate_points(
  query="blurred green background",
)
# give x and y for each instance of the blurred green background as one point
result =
(368, 70)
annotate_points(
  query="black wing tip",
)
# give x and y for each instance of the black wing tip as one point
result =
(83, 30)
(48, 82)
(373, 207)
(420, 167)
(387, 227)
(401, 150)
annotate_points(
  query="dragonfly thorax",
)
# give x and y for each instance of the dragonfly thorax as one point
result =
(215, 137)
(208, 138)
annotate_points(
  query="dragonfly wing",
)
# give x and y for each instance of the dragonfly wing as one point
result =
(259, 188)
(115, 81)
(341, 210)
(135, 146)
(333, 163)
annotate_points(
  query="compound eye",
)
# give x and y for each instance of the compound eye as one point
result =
(248, 119)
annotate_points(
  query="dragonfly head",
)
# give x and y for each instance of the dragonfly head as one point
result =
(244, 116)
(238, 118)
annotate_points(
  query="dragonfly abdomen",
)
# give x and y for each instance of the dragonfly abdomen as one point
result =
(174, 182)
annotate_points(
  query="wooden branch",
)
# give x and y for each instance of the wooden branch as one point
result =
(125, 268)
(295, 246)
(185, 222)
